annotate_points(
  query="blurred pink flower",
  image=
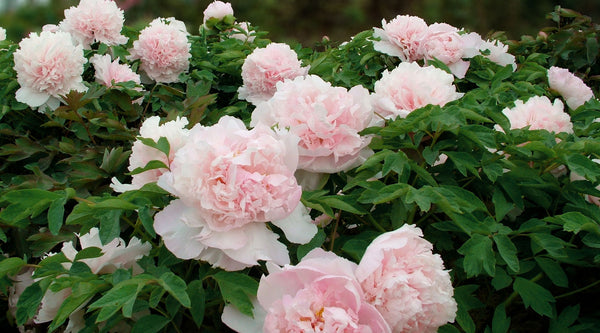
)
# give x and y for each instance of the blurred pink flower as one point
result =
(2, 34)
(401, 37)
(164, 50)
(48, 66)
(539, 113)
(94, 21)
(108, 71)
(327, 120)
(406, 282)
(409, 87)
(217, 10)
(264, 67)
(572, 88)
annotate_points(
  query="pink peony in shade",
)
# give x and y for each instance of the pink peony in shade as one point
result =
(539, 113)
(217, 10)
(409, 87)
(48, 66)
(141, 154)
(264, 67)
(109, 72)
(230, 181)
(401, 37)
(406, 282)
(94, 21)
(164, 50)
(572, 88)
(327, 120)
(320, 294)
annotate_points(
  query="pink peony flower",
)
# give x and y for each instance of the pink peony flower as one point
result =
(406, 282)
(401, 37)
(48, 66)
(326, 119)
(108, 72)
(539, 113)
(590, 198)
(498, 53)
(443, 42)
(573, 89)
(163, 49)
(409, 87)
(264, 67)
(94, 21)
(217, 10)
(2, 34)
(320, 294)
(175, 133)
(229, 182)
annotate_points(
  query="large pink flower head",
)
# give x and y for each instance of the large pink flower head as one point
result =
(539, 113)
(109, 72)
(406, 282)
(164, 50)
(573, 89)
(443, 42)
(320, 294)
(141, 154)
(95, 21)
(264, 67)
(48, 66)
(217, 10)
(327, 120)
(401, 37)
(409, 87)
(230, 181)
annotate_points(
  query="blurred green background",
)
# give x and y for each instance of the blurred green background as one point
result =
(307, 21)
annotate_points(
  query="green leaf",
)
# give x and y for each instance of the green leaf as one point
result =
(554, 245)
(345, 203)
(56, 214)
(479, 256)
(591, 46)
(88, 252)
(198, 297)
(508, 251)
(583, 166)
(154, 164)
(501, 205)
(162, 144)
(150, 324)
(237, 289)
(534, 296)
(80, 294)
(315, 242)
(553, 270)
(115, 299)
(501, 280)
(175, 286)
(564, 321)
(11, 266)
(464, 161)
(147, 220)
(115, 203)
(29, 302)
(575, 222)
(397, 162)
(466, 302)
(110, 225)
(500, 323)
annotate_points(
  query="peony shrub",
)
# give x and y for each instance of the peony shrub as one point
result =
(416, 178)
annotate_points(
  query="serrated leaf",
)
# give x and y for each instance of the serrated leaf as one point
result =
(500, 322)
(237, 289)
(534, 296)
(508, 251)
(162, 144)
(479, 256)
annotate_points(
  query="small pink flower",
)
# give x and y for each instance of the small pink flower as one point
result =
(217, 10)
(539, 113)
(402, 37)
(406, 282)
(327, 120)
(94, 21)
(409, 87)
(264, 67)
(164, 50)
(573, 89)
(108, 72)
(48, 66)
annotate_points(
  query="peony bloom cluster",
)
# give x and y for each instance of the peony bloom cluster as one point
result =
(164, 50)
(539, 113)
(175, 133)
(327, 120)
(109, 72)
(264, 67)
(94, 21)
(217, 10)
(230, 181)
(48, 66)
(573, 89)
(399, 286)
(590, 198)
(409, 87)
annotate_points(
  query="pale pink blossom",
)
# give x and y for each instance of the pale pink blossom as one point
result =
(229, 181)
(164, 50)
(94, 21)
(574, 176)
(2, 34)
(48, 66)
(50, 28)
(217, 10)
(539, 113)
(327, 120)
(110, 72)
(444, 43)
(244, 34)
(406, 282)
(499, 53)
(409, 87)
(401, 37)
(572, 88)
(141, 154)
(320, 294)
(264, 67)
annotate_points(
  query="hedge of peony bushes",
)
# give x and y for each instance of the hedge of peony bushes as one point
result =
(417, 178)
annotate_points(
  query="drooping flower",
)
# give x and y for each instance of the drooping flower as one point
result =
(409, 87)
(164, 50)
(327, 120)
(572, 88)
(94, 21)
(109, 72)
(320, 294)
(141, 154)
(406, 282)
(264, 67)
(229, 182)
(217, 10)
(48, 66)
(401, 37)
(539, 113)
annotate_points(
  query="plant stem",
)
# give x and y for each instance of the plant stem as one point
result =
(578, 290)
(335, 226)
(377, 225)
